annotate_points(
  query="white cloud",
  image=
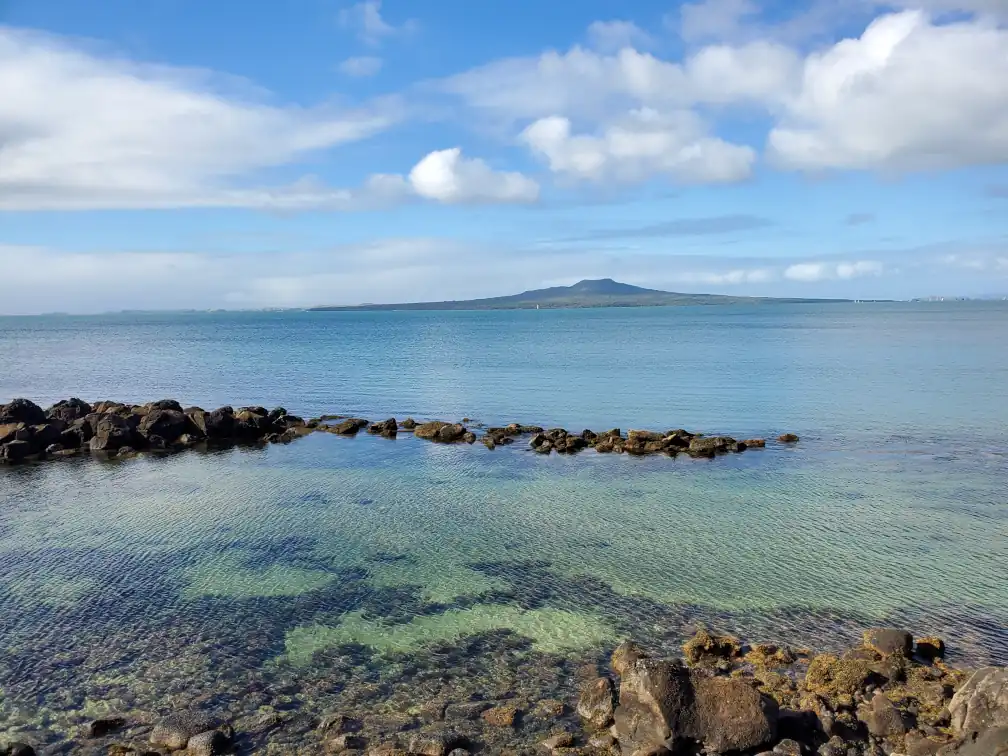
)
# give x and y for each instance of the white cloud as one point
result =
(609, 36)
(447, 176)
(731, 277)
(827, 271)
(643, 144)
(908, 94)
(78, 131)
(361, 66)
(366, 20)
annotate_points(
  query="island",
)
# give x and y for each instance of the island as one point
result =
(603, 292)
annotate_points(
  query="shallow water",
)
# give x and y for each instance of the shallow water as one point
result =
(250, 577)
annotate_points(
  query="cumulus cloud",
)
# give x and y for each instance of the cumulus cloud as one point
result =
(826, 271)
(78, 131)
(361, 66)
(447, 176)
(609, 36)
(643, 144)
(908, 94)
(366, 20)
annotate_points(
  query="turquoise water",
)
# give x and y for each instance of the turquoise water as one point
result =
(250, 577)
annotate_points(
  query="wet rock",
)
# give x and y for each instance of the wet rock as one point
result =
(439, 743)
(218, 424)
(464, 711)
(888, 641)
(68, 410)
(788, 747)
(165, 404)
(249, 423)
(79, 433)
(538, 440)
(558, 740)
(409, 423)
(469, 437)
(21, 411)
(101, 727)
(489, 442)
(349, 427)
(731, 715)
(755, 443)
(981, 702)
(597, 702)
(501, 716)
(345, 742)
(930, 648)
(445, 433)
(15, 451)
(787, 438)
(174, 731)
(210, 743)
(704, 647)
(387, 428)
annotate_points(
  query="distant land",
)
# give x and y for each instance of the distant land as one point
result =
(588, 293)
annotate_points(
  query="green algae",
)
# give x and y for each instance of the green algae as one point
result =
(550, 630)
(229, 576)
(440, 582)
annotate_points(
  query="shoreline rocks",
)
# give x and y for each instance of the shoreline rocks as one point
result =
(108, 429)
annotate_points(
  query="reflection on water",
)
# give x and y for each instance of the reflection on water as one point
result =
(335, 573)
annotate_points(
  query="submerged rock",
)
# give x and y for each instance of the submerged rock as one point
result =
(597, 702)
(174, 731)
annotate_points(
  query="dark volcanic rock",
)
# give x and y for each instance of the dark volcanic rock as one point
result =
(165, 404)
(21, 411)
(251, 424)
(387, 428)
(111, 433)
(889, 641)
(15, 451)
(882, 718)
(99, 728)
(169, 424)
(68, 410)
(662, 702)
(218, 424)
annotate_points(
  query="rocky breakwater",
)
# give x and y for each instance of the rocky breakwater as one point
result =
(885, 697)
(73, 426)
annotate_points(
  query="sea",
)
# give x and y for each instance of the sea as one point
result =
(370, 576)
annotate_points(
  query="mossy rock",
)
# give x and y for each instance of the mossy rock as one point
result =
(770, 656)
(830, 675)
(706, 648)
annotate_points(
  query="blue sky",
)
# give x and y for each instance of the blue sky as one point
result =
(175, 154)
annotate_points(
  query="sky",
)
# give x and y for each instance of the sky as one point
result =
(177, 154)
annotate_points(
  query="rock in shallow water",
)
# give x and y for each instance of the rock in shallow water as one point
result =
(175, 730)
(597, 702)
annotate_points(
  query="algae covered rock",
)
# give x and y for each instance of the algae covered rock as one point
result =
(597, 702)
(830, 675)
(704, 647)
(175, 730)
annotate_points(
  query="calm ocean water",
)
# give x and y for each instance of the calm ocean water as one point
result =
(247, 577)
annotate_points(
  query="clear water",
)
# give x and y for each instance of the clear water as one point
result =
(246, 578)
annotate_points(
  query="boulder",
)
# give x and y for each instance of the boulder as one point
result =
(251, 424)
(68, 410)
(438, 743)
(174, 731)
(46, 434)
(708, 446)
(597, 702)
(787, 438)
(111, 433)
(218, 424)
(624, 657)
(77, 434)
(9, 432)
(981, 702)
(488, 442)
(469, 437)
(644, 436)
(829, 675)
(387, 428)
(165, 404)
(930, 648)
(992, 742)
(276, 414)
(409, 423)
(505, 715)
(21, 411)
(661, 702)
(99, 728)
(731, 715)
(169, 424)
(17, 749)
(889, 641)
(882, 718)
(755, 443)
(209, 743)
(15, 451)
(443, 432)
